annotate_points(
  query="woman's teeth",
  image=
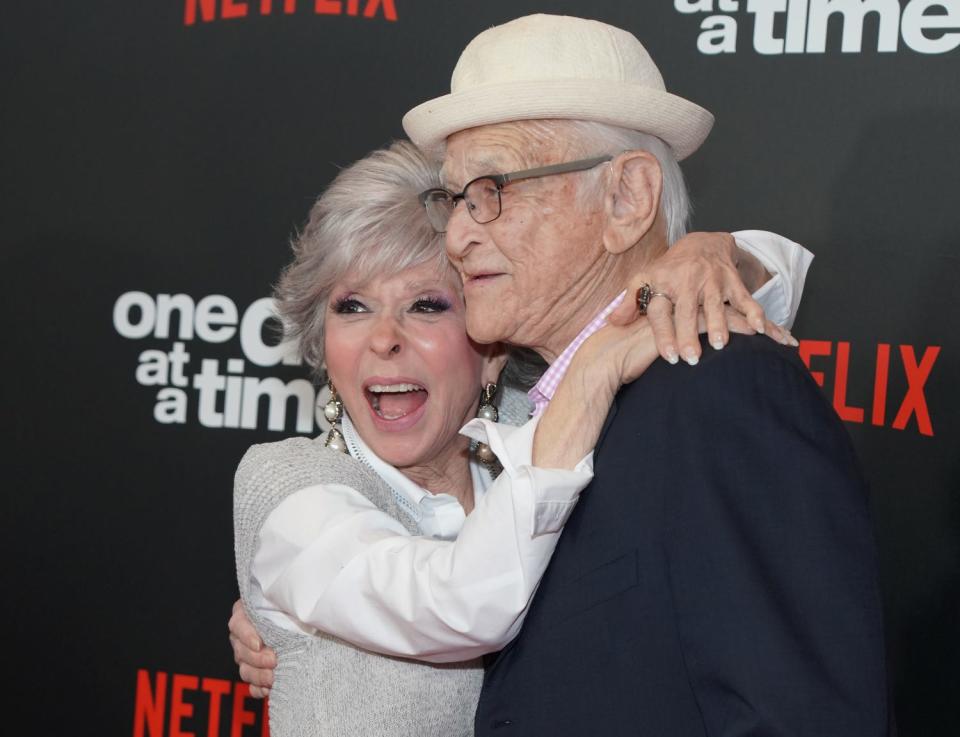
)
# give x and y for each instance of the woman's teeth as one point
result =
(393, 401)
(394, 388)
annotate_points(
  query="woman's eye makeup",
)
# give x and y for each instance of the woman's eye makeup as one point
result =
(430, 304)
(426, 304)
(348, 306)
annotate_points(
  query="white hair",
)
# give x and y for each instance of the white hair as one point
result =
(585, 139)
(368, 222)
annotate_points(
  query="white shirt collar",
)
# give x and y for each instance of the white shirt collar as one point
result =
(439, 515)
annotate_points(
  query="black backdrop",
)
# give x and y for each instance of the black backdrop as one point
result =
(170, 148)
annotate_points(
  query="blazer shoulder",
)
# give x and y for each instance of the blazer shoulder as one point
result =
(755, 357)
(746, 365)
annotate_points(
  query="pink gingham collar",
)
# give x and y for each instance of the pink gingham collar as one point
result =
(543, 391)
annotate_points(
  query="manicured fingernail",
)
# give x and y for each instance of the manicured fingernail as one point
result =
(691, 358)
(672, 356)
(256, 646)
(717, 342)
(760, 328)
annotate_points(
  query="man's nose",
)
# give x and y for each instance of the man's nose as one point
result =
(462, 233)
(387, 336)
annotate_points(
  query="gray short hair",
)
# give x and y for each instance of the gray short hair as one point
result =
(584, 138)
(367, 221)
(597, 138)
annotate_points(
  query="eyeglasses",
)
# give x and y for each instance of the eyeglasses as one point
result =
(482, 194)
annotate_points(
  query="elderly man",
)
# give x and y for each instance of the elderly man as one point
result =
(718, 575)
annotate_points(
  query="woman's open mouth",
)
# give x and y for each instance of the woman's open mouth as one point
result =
(395, 401)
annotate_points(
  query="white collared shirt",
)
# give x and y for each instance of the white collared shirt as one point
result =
(439, 515)
(330, 560)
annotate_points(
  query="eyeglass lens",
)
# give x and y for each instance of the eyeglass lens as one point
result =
(439, 206)
(481, 198)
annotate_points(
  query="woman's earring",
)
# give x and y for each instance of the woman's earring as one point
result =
(333, 411)
(487, 411)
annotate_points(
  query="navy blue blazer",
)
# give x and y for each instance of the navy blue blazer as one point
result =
(718, 576)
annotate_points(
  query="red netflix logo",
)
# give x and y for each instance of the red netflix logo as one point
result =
(227, 703)
(207, 10)
(912, 404)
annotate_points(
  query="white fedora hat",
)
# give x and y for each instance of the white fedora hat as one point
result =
(552, 66)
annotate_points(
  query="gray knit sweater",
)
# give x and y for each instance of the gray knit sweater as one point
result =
(324, 686)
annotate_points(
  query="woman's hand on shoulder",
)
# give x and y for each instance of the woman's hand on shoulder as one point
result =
(699, 284)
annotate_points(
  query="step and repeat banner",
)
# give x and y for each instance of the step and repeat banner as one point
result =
(158, 156)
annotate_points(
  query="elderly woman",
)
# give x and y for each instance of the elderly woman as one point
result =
(400, 535)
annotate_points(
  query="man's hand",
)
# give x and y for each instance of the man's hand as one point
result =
(698, 271)
(256, 661)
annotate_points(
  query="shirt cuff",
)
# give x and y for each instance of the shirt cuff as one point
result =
(788, 263)
(774, 298)
(554, 491)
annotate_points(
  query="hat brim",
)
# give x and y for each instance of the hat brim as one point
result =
(682, 124)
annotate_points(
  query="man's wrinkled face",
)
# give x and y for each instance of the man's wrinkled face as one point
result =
(519, 271)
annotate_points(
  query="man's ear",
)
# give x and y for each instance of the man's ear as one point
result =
(494, 359)
(631, 200)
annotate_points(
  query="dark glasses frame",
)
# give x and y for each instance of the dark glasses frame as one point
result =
(448, 200)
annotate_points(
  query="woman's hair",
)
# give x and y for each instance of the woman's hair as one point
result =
(368, 221)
